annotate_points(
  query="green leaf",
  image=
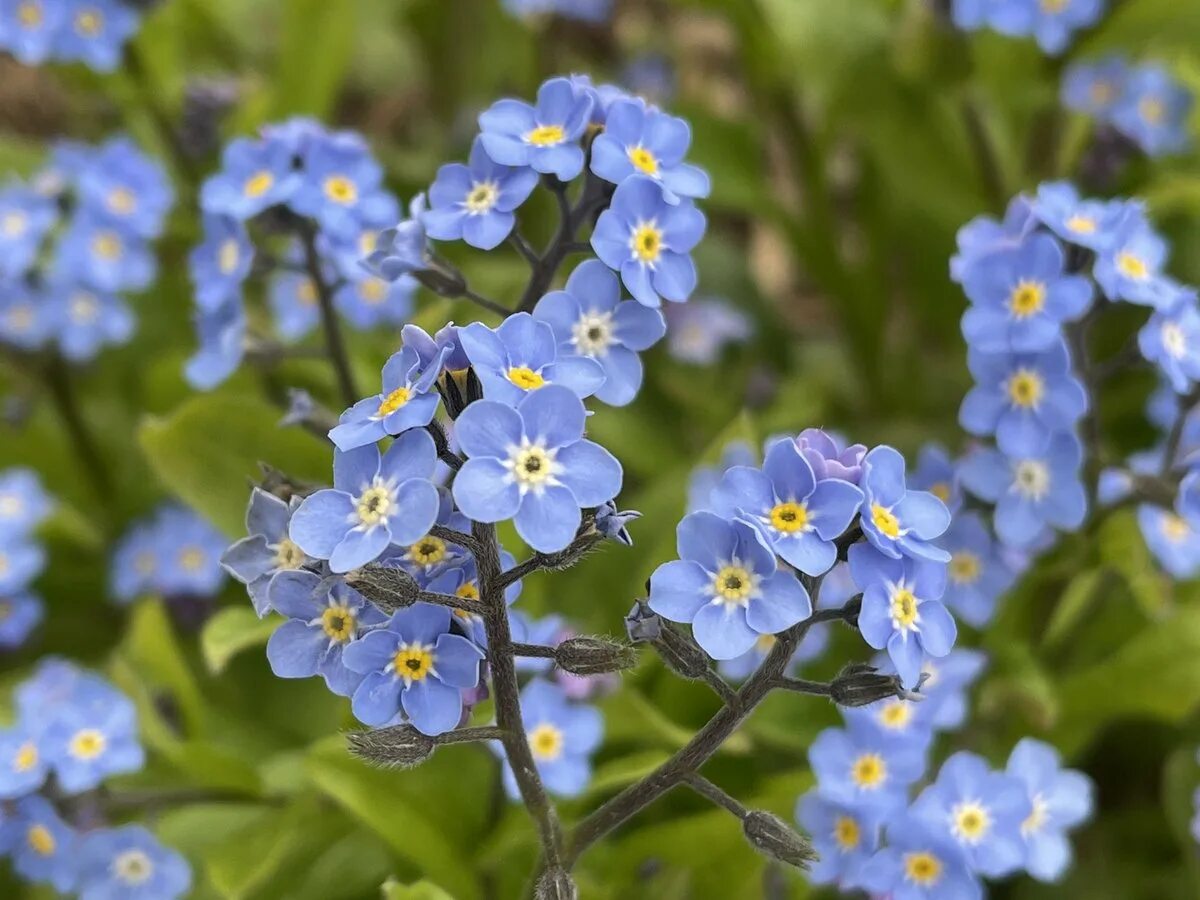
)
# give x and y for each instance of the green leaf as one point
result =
(422, 890)
(247, 860)
(153, 651)
(207, 453)
(1076, 599)
(315, 49)
(230, 631)
(617, 773)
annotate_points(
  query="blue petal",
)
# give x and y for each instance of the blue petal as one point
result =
(483, 488)
(295, 649)
(488, 429)
(321, 522)
(552, 416)
(432, 707)
(377, 699)
(418, 502)
(679, 589)
(783, 603)
(547, 521)
(591, 472)
(707, 539)
(721, 630)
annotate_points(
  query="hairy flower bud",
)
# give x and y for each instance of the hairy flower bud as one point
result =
(593, 656)
(642, 624)
(400, 746)
(859, 685)
(681, 654)
(281, 484)
(388, 588)
(556, 884)
(773, 837)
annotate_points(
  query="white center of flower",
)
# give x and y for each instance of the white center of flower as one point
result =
(1031, 479)
(970, 822)
(482, 197)
(84, 307)
(10, 506)
(13, 224)
(228, 255)
(903, 609)
(132, 867)
(593, 333)
(1173, 340)
(374, 505)
(532, 466)
(1036, 819)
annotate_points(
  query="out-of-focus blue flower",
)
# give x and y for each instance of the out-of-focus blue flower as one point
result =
(1023, 398)
(1153, 110)
(255, 175)
(945, 687)
(520, 357)
(935, 473)
(1029, 492)
(21, 560)
(123, 185)
(544, 137)
(799, 516)
(129, 863)
(341, 184)
(844, 837)
(698, 332)
(977, 573)
(827, 456)
(727, 585)
(811, 646)
(1130, 267)
(91, 739)
(1021, 297)
(95, 253)
(475, 202)
(415, 669)
(87, 321)
(135, 563)
(95, 31)
(895, 719)
(1055, 21)
(648, 241)
(26, 217)
(918, 863)
(1088, 223)
(650, 76)
(222, 343)
(190, 561)
(593, 11)
(266, 550)
(983, 236)
(704, 479)
(1172, 540)
(41, 845)
(375, 500)
(23, 766)
(562, 738)
(407, 400)
(20, 613)
(1060, 798)
(29, 30)
(292, 297)
(640, 140)
(861, 768)
(24, 503)
(899, 522)
(220, 263)
(1094, 87)
(1171, 340)
(533, 465)
(370, 301)
(589, 319)
(403, 249)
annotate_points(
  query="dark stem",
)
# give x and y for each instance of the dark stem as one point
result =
(534, 651)
(463, 540)
(803, 686)
(58, 381)
(710, 791)
(330, 325)
(442, 444)
(466, 735)
(1187, 403)
(451, 601)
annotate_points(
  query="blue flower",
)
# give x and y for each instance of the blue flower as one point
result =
(292, 297)
(799, 516)
(325, 618)
(811, 646)
(901, 608)
(562, 737)
(865, 770)
(1130, 267)
(1171, 340)
(255, 175)
(341, 184)
(1022, 398)
(1153, 110)
(374, 501)
(267, 549)
(612, 522)
(727, 584)
(190, 554)
(348, 250)
(544, 137)
(983, 237)
(430, 554)
(1021, 297)
(24, 503)
(95, 253)
(828, 458)
(1174, 542)
(945, 687)
(475, 202)
(135, 563)
(1087, 223)
(1032, 491)
(648, 240)
(918, 863)
(20, 613)
(895, 719)
(589, 319)
(532, 464)
(978, 574)
(697, 332)
(369, 301)
(704, 479)
(23, 766)
(1094, 87)
(91, 739)
(416, 669)
(520, 357)
(402, 249)
(640, 140)
(26, 217)
(95, 32)
(844, 837)
(129, 863)
(1054, 22)
(936, 473)
(29, 30)
(897, 521)
(123, 185)
(42, 846)
(978, 810)
(220, 263)
(87, 321)
(407, 400)
(222, 336)
(21, 560)
(1061, 799)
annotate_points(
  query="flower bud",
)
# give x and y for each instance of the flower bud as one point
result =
(681, 654)
(593, 656)
(859, 685)
(774, 838)
(642, 624)
(388, 588)
(400, 746)
(611, 522)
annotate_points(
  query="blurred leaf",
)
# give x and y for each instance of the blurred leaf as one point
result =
(422, 890)
(248, 859)
(1074, 603)
(152, 649)
(315, 47)
(230, 631)
(1122, 547)
(619, 772)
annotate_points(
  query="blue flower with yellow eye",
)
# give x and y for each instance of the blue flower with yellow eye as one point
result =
(88, 320)
(407, 400)
(1153, 110)
(24, 503)
(589, 319)
(346, 251)
(429, 554)
(844, 837)
(23, 765)
(1094, 87)
(368, 301)
(41, 845)
(544, 137)
(1022, 398)
(221, 262)
(727, 585)
(222, 335)
(1171, 340)
(95, 252)
(267, 549)
(562, 738)
(799, 516)
(129, 863)
(1087, 223)
(648, 241)
(520, 358)
(21, 561)
(1021, 297)
(983, 236)
(704, 479)
(29, 30)
(124, 186)
(638, 139)
(93, 737)
(1061, 799)
(475, 202)
(95, 31)
(375, 501)
(977, 574)
(25, 219)
(190, 548)
(918, 863)
(863, 769)
(341, 184)
(324, 619)
(255, 175)
(944, 689)
(1055, 21)
(1130, 268)
(936, 473)
(699, 331)
(292, 297)
(415, 669)
(1172, 539)
(896, 521)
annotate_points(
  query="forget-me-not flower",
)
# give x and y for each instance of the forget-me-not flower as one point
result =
(544, 137)
(475, 202)
(129, 863)
(266, 550)
(562, 737)
(640, 140)
(899, 522)
(1060, 798)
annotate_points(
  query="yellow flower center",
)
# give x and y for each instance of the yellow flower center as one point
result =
(13, 224)
(734, 584)
(133, 867)
(764, 643)
(107, 245)
(1175, 528)
(646, 242)
(895, 714)
(869, 771)
(941, 490)
(922, 868)
(467, 591)
(367, 242)
(87, 743)
(341, 189)
(122, 201)
(885, 521)
(338, 623)
(532, 465)
(306, 292)
(1152, 110)
(482, 197)
(965, 567)
(192, 559)
(89, 22)
(970, 822)
(1025, 388)
(1028, 298)
(525, 378)
(30, 15)
(1081, 224)
(904, 608)
(846, 833)
(26, 757)
(546, 135)
(643, 160)
(393, 401)
(228, 256)
(288, 555)
(789, 517)
(40, 840)
(428, 551)
(413, 662)
(258, 183)
(1101, 92)
(1132, 266)
(373, 290)
(546, 742)
(374, 505)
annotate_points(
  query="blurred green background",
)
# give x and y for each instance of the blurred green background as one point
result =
(847, 141)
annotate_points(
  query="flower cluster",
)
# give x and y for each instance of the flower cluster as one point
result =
(316, 203)
(92, 32)
(75, 238)
(1142, 102)
(971, 822)
(1052, 24)
(24, 504)
(74, 730)
(593, 11)
(698, 332)
(173, 553)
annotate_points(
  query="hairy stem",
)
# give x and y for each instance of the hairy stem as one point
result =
(335, 345)
(711, 792)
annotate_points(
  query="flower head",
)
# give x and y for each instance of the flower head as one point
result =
(476, 202)
(266, 550)
(544, 137)
(407, 400)
(562, 738)
(640, 140)
(899, 522)
(1060, 799)
(129, 862)
(41, 844)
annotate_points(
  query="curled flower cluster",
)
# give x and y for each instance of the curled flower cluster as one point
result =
(174, 553)
(24, 504)
(1052, 23)
(72, 241)
(315, 202)
(1142, 102)
(73, 731)
(93, 32)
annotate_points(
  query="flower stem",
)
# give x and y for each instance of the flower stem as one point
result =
(334, 344)
(58, 381)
